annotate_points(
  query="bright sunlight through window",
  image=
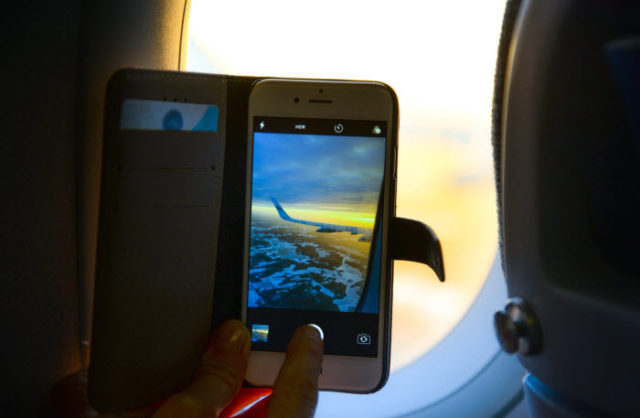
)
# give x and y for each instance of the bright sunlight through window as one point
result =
(439, 56)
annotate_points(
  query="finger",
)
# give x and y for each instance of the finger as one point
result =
(219, 377)
(295, 392)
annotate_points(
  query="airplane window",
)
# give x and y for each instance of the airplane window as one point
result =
(439, 57)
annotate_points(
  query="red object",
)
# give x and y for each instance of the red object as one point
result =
(249, 403)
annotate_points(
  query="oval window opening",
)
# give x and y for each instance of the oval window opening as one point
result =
(439, 57)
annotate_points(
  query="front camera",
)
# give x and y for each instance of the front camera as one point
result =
(296, 100)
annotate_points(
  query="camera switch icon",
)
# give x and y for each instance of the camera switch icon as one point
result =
(363, 339)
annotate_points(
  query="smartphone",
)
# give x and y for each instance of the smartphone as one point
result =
(320, 198)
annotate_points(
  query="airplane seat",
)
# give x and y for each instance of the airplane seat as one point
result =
(57, 57)
(567, 146)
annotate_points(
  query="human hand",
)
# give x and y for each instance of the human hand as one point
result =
(218, 380)
(223, 368)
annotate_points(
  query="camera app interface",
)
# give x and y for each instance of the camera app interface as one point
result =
(314, 247)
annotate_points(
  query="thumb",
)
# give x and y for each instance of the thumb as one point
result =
(295, 392)
(219, 377)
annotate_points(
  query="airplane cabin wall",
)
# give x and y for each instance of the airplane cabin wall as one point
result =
(57, 57)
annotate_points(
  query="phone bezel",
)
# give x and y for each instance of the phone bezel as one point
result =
(349, 100)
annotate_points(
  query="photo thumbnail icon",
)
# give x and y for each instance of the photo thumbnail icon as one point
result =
(259, 333)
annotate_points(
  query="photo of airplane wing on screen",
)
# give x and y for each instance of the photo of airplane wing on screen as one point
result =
(324, 227)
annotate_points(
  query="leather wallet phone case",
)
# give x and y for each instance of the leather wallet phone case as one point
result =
(170, 239)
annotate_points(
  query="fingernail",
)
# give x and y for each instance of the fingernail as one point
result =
(313, 328)
(232, 336)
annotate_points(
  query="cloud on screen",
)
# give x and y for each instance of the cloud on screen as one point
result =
(320, 169)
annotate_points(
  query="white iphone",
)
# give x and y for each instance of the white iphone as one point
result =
(320, 198)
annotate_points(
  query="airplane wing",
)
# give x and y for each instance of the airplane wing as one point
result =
(322, 227)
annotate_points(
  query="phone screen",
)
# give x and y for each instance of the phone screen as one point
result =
(315, 232)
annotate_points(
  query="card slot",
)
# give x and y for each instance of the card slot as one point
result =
(166, 188)
(168, 149)
(158, 242)
(166, 168)
(175, 237)
(126, 206)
